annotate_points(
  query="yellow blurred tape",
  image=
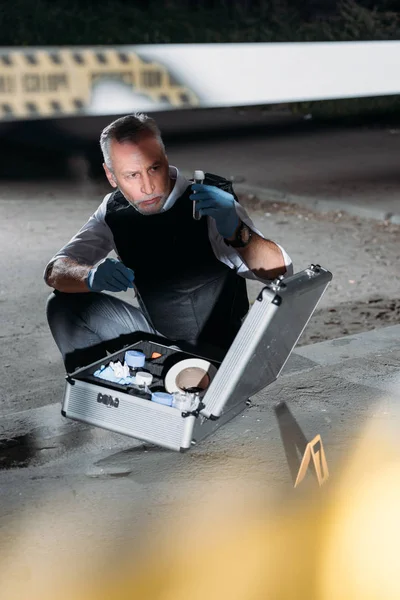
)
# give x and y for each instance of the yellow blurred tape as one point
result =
(55, 82)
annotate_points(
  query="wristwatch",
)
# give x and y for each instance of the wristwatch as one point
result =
(242, 237)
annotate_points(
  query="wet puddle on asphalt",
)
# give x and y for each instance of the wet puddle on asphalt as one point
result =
(20, 451)
(17, 451)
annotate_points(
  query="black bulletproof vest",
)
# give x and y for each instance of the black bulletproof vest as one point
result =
(187, 292)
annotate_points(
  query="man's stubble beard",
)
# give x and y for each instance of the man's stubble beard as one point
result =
(161, 203)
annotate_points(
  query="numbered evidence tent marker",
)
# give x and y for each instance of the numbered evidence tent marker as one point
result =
(314, 451)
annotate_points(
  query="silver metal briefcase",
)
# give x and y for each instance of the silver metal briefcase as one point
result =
(255, 359)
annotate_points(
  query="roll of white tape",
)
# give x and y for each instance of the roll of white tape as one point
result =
(189, 373)
(143, 378)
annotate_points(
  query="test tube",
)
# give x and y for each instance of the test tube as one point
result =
(198, 178)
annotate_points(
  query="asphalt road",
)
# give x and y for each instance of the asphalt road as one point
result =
(67, 488)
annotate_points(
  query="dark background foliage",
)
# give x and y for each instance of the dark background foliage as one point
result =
(47, 22)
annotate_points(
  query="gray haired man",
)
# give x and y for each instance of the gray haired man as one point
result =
(190, 274)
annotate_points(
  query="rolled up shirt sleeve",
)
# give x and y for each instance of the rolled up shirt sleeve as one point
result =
(93, 242)
(229, 256)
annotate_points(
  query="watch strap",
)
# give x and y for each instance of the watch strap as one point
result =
(238, 242)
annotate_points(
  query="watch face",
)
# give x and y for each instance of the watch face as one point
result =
(245, 234)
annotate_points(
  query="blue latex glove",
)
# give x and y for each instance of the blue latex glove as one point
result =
(214, 202)
(108, 374)
(111, 275)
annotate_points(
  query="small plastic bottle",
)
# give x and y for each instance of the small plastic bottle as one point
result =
(143, 380)
(185, 401)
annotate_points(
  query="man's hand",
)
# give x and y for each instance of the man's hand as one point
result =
(111, 275)
(214, 202)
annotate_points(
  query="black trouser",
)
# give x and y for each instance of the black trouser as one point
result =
(85, 326)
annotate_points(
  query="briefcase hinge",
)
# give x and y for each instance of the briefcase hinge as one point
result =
(194, 413)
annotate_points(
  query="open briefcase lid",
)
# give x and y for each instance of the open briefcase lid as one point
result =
(266, 338)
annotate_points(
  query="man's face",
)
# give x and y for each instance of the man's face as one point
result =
(140, 170)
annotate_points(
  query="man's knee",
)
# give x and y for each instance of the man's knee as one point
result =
(97, 311)
(53, 306)
(60, 303)
(74, 302)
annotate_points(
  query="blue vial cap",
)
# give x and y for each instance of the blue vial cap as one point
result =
(135, 358)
